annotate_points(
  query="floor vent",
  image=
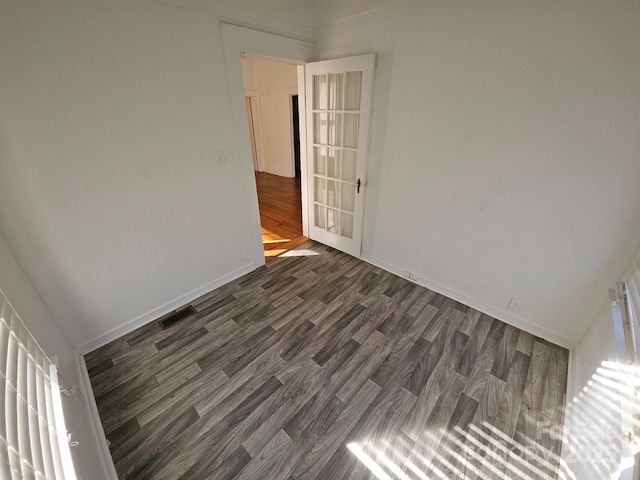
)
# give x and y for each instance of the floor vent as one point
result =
(176, 316)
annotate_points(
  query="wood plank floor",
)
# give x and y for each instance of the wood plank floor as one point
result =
(280, 213)
(321, 366)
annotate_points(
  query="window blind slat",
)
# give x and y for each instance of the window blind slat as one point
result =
(11, 372)
(24, 441)
(4, 345)
(49, 469)
(63, 438)
(24, 451)
(34, 419)
(44, 428)
(34, 435)
(11, 404)
(20, 330)
(5, 469)
(3, 408)
(22, 422)
(15, 473)
(5, 311)
(53, 436)
(42, 363)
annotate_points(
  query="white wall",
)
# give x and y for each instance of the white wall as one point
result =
(292, 18)
(274, 83)
(35, 315)
(113, 197)
(504, 152)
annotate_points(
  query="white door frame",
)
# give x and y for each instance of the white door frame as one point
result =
(290, 92)
(236, 41)
(302, 114)
(257, 126)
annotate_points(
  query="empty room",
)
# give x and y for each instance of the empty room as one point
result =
(452, 288)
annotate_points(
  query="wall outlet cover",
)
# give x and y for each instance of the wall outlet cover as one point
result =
(514, 304)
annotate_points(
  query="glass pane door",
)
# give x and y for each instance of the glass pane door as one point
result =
(336, 101)
(338, 105)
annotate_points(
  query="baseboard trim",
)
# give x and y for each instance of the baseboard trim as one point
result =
(151, 315)
(283, 172)
(96, 423)
(500, 314)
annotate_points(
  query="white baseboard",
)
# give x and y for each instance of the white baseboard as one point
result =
(283, 172)
(96, 424)
(151, 315)
(500, 314)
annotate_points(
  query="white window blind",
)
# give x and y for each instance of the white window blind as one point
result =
(33, 437)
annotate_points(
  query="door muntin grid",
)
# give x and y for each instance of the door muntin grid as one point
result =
(336, 133)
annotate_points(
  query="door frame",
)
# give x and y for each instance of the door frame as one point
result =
(257, 127)
(235, 42)
(290, 92)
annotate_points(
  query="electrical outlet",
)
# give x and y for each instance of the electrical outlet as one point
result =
(410, 275)
(514, 304)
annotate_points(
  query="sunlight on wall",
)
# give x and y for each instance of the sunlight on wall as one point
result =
(599, 416)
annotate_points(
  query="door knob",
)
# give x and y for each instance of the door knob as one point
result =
(357, 184)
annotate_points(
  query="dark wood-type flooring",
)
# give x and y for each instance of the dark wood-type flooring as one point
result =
(325, 367)
(280, 213)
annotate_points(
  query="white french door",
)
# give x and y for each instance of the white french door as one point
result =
(338, 108)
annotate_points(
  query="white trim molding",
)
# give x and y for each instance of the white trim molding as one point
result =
(500, 314)
(151, 315)
(96, 423)
(237, 41)
(275, 170)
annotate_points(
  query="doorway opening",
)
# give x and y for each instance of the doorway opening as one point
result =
(272, 104)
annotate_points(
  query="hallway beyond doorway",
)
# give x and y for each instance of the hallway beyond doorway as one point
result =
(280, 213)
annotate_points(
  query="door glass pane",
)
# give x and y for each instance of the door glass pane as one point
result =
(320, 128)
(335, 128)
(319, 216)
(351, 129)
(348, 197)
(332, 193)
(333, 163)
(332, 220)
(319, 92)
(335, 91)
(349, 165)
(353, 86)
(346, 225)
(319, 160)
(319, 186)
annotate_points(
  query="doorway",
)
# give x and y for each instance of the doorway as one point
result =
(295, 115)
(272, 106)
(320, 128)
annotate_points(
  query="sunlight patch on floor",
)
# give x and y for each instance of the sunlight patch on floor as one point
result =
(300, 252)
(593, 437)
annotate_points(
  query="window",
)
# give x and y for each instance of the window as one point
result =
(625, 309)
(34, 443)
